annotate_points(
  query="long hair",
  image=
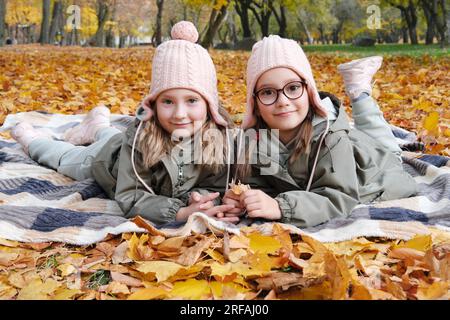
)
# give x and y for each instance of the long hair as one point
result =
(302, 140)
(155, 142)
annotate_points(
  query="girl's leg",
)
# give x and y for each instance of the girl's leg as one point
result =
(369, 119)
(72, 161)
(367, 115)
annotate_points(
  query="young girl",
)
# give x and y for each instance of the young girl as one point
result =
(324, 168)
(140, 168)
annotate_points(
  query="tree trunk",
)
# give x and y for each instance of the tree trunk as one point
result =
(56, 16)
(158, 32)
(337, 31)
(441, 21)
(2, 21)
(307, 33)
(215, 20)
(102, 16)
(281, 19)
(263, 16)
(45, 25)
(242, 8)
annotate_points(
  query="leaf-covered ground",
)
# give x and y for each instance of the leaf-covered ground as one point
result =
(413, 93)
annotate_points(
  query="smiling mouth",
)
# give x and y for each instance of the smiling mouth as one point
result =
(181, 124)
(284, 113)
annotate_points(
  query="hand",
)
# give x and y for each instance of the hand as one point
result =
(199, 203)
(260, 205)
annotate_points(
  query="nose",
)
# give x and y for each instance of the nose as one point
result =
(180, 111)
(282, 100)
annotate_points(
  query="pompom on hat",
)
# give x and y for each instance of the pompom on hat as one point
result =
(274, 52)
(181, 63)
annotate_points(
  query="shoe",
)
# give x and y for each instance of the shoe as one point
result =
(24, 133)
(84, 133)
(358, 75)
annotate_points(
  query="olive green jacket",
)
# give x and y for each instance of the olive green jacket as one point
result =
(171, 180)
(352, 168)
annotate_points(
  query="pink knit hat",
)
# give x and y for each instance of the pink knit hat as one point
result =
(181, 63)
(273, 52)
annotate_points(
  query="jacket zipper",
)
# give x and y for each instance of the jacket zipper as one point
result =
(180, 173)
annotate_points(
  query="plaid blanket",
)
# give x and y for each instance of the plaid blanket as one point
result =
(38, 204)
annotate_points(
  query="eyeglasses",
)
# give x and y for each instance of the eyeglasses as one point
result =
(292, 90)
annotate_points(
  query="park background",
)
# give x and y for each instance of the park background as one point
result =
(70, 56)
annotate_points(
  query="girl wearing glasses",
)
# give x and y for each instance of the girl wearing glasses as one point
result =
(324, 167)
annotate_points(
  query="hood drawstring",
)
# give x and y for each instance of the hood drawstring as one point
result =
(317, 155)
(132, 159)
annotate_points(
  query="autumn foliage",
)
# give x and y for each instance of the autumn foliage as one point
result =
(413, 93)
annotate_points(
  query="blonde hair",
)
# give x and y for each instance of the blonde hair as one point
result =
(154, 142)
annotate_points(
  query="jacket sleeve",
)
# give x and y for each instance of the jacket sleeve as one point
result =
(132, 196)
(334, 190)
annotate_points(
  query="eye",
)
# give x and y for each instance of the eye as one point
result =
(193, 100)
(167, 101)
(293, 87)
(266, 92)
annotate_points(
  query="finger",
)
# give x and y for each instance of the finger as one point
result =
(220, 215)
(196, 196)
(206, 206)
(235, 211)
(231, 202)
(215, 210)
(250, 200)
(231, 195)
(234, 214)
(255, 214)
(254, 206)
(210, 196)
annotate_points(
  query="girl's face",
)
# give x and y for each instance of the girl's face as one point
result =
(284, 114)
(181, 112)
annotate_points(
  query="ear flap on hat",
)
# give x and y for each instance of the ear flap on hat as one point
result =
(144, 111)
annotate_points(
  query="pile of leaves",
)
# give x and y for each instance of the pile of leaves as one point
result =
(414, 93)
(245, 266)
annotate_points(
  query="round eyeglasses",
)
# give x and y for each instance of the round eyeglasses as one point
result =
(292, 90)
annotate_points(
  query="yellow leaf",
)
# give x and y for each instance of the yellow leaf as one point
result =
(65, 294)
(421, 243)
(148, 294)
(162, 269)
(264, 244)
(431, 121)
(191, 289)
(66, 269)
(36, 290)
(215, 255)
(435, 291)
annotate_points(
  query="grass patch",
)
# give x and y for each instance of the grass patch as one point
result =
(383, 49)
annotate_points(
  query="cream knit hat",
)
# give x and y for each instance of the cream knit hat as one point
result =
(273, 52)
(181, 63)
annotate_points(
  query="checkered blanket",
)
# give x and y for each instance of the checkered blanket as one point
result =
(38, 204)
